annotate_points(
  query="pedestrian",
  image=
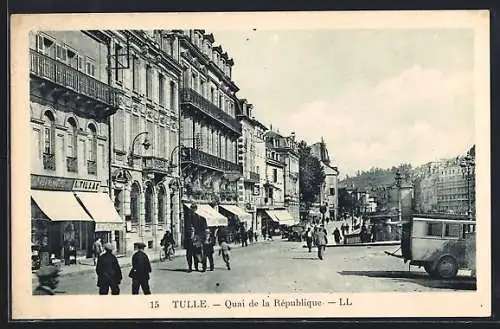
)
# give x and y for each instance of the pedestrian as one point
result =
(109, 273)
(309, 238)
(97, 249)
(256, 236)
(47, 280)
(363, 233)
(197, 251)
(244, 237)
(336, 235)
(342, 228)
(190, 236)
(139, 273)
(250, 235)
(321, 241)
(208, 250)
(66, 251)
(167, 242)
(347, 228)
(225, 252)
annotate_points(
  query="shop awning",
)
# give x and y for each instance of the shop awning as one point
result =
(283, 217)
(212, 217)
(102, 210)
(242, 215)
(59, 205)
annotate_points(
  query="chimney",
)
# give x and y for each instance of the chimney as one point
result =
(292, 134)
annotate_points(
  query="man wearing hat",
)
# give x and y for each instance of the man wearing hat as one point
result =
(47, 280)
(141, 267)
(208, 250)
(109, 273)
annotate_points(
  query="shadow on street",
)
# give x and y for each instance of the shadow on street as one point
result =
(459, 283)
(308, 258)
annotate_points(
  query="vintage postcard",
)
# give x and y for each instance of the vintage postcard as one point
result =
(250, 165)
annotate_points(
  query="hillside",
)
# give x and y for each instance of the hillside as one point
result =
(377, 177)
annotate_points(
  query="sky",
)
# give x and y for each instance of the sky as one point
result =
(378, 97)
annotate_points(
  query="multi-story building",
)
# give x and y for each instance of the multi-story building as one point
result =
(209, 130)
(251, 152)
(328, 195)
(70, 104)
(279, 205)
(145, 69)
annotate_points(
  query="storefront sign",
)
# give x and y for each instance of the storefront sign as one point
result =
(52, 183)
(85, 185)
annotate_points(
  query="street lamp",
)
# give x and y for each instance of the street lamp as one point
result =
(398, 184)
(145, 144)
(467, 163)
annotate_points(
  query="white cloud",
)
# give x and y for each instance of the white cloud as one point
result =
(420, 115)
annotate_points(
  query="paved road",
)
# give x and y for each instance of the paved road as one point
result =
(280, 267)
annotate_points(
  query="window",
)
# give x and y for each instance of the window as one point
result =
(149, 82)
(48, 133)
(135, 74)
(118, 129)
(161, 205)
(275, 175)
(72, 58)
(45, 45)
(332, 191)
(434, 229)
(212, 94)
(90, 67)
(61, 53)
(452, 230)
(80, 63)
(92, 143)
(161, 89)
(173, 95)
(148, 205)
(118, 64)
(220, 101)
(135, 203)
(194, 83)
(72, 138)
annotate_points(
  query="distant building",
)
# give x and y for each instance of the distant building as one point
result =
(329, 191)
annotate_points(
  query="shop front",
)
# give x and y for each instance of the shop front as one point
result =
(66, 213)
(203, 216)
(238, 218)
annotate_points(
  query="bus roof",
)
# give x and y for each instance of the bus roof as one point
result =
(442, 220)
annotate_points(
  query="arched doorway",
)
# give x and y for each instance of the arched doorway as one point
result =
(161, 206)
(148, 205)
(135, 194)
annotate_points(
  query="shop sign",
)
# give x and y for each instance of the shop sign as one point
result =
(51, 183)
(86, 185)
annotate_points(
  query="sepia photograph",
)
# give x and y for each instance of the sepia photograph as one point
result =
(220, 165)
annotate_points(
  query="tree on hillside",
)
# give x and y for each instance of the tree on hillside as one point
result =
(312, 175)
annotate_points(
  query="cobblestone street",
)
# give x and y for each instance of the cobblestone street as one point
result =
(279, 267)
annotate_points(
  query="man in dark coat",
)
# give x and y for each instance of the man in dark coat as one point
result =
(321, 241)
(244, 237)
(109, 273)
(336, 235)
(47, 280)
(208, 250)
(309, 235)
(190, 236)
(141, 267)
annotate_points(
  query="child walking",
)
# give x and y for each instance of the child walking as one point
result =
(224, 251)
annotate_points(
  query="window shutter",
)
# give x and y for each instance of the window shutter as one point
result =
(39, 43)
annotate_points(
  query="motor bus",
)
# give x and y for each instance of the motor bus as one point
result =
(442, 244)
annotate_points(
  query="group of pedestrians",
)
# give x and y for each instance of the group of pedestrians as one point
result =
(200, 250)
(317, 236)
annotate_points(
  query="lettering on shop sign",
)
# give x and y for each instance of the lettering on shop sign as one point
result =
(85, 185)
(51, 183)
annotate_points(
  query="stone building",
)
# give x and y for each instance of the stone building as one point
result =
(209, 131)
(251, 153)
(328, 195)
(70, 105)
(145, 69)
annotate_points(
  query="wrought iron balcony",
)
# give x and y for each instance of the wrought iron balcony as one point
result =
(72, 164)
(153, 163)
(49, 161)
(70, 78)
(92, 167)
(190, 96)
(211, 161)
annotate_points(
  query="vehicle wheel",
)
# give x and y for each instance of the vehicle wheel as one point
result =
(446, 268)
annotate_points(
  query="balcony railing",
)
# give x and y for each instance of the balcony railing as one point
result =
(49, 161)
(268, 202)
(48, 68)
(155, 163)
(189, 95)
(72, 164)
(208, 160)
(92, 167)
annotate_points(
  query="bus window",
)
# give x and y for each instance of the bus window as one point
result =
(434, 229)
(452, 230)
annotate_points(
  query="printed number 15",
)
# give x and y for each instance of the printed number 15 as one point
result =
(154, 304)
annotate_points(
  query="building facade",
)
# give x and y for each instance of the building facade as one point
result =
(329, 191)
(70, 105)
(145, 69)
(251, 155)
(209, 127)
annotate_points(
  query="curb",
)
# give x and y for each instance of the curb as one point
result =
(381, 243)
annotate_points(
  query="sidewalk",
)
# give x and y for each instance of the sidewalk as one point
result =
(86, 265)
(364, 244)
